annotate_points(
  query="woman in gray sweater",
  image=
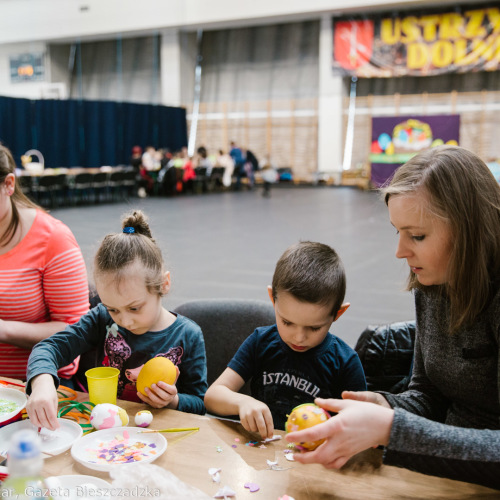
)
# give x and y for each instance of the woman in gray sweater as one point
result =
(445, 206)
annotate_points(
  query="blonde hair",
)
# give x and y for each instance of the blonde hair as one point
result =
(120, 250)
(17, 199)
(462, 191)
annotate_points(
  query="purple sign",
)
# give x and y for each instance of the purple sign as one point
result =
(396, 139)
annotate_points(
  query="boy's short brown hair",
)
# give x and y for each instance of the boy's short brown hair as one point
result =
(311, 272)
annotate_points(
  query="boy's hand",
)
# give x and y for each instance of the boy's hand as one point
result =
(161, 395)
(255, 416)
(42, 403)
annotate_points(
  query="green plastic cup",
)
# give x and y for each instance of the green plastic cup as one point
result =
(103, 384)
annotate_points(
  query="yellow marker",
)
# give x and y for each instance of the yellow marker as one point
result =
(174, 429)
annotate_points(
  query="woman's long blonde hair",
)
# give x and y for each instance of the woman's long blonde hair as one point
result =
(462, 191)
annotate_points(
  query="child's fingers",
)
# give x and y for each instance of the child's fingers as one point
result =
(248, 424)
(150, 401)
(261, 426)
(167, 388)
(45, 419)
(33, 417)
(158, 397)
(269, 424)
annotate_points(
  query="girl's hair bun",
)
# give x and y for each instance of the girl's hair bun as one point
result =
(139, 222)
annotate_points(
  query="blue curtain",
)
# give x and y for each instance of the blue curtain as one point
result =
(88, 133)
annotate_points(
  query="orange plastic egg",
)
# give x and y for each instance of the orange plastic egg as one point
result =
(153, 371)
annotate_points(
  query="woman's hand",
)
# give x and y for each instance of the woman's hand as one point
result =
(42, 403)
(161, 395)
(255, 416)
(359, 425)
(367, 396)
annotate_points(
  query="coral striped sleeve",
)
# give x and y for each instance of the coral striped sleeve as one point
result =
(42, 279)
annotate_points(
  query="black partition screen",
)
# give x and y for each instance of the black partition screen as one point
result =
(88, 133)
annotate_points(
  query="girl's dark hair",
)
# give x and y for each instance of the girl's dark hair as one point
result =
(463, 192)
(311, 272)
(18, 198)
(118, 251)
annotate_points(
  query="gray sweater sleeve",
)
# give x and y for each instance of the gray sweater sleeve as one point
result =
(422, 397)
(448, 423)
(471, 455)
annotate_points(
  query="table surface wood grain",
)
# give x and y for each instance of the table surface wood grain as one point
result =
(223, 444)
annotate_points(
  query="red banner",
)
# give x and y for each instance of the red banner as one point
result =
(418, 43)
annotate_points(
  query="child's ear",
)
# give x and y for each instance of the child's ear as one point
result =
(270, 292)
(342, 310)
(165, 287)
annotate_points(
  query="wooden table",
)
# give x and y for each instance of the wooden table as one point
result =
(190, 457)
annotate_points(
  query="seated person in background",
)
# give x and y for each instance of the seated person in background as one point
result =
(150, 163)
(239, 159)
(297, 359)
(188, 175)
(136, 159)
(125, 331)
(136, 164)
(204, 160)
(43, 284)
(225, 160)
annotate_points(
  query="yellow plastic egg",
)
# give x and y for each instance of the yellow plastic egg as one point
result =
(305, 416)
(153, 371)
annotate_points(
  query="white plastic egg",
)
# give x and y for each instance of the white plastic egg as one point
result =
(107, 415)
(143, 418)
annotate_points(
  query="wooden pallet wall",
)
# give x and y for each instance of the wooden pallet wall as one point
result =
(286, 131)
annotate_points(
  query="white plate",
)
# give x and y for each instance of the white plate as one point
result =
(17, 397)
(89, 449)
(61, 440)
(77, 487)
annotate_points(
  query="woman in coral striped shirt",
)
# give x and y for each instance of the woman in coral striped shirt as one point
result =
(43, 281)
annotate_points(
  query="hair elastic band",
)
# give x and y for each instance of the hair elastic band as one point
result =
(128, 230)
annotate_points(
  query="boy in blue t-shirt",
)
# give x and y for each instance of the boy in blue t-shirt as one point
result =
(297, 359)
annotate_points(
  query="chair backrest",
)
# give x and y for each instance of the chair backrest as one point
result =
(61, 180)
(83, 180)
(117, 176)
(386, 353)
(226, 323)
(129, 178)
(47, 181)
(218, 171)
(99, 178)
(26, 183)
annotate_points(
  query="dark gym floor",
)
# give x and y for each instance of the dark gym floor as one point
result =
(225, 245)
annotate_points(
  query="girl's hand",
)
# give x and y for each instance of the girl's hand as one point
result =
(358, 426)
(255, 416)
(367, 396)
(42, 403)
(161, 395)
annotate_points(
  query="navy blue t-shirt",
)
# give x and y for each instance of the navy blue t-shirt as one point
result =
(283, 378)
